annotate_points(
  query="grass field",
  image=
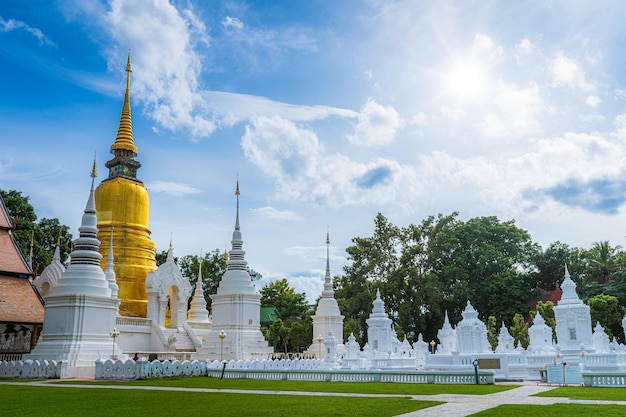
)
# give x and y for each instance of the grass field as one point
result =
(147, 398)
(555, 410)
(33, 400)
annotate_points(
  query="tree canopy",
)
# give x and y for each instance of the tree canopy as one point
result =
(44, 234)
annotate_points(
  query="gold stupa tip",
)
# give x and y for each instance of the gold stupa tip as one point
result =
(129, 67)
(237, 190)
(93, 169)
(225, 255)
(327, 238)
(59, 238)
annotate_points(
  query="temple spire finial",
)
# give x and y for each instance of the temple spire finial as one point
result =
(93, 174)
(124, 140)
(237, 193)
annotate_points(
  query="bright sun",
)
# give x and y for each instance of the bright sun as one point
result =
(466, 80)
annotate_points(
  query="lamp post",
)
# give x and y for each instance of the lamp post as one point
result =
(222, 336)
(114, 333)
(319, 339)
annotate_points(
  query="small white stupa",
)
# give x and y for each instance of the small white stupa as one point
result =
(49, 278)
(573, 322)
(236, 311)
(472, 333)
(540, 335)
(198, 315)
(80, 314)
(327, 317)
(447, 337)
(381, 336)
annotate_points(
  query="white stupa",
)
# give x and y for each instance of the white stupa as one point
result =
(236, 311)
(80, 314)
(472, 333)
(198, 315)
(327, 316)
(573, 322)
(49, 278)
(447, 337)
(381, 336)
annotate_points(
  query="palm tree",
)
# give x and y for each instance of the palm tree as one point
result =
(602, 261)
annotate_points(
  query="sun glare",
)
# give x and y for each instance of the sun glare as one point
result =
(465, 81)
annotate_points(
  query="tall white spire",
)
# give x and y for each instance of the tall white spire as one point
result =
(328, 283)
(84, 274)
(236, 279)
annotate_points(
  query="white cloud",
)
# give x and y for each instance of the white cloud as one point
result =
(593, 101)
(620, 126)
(484, 47)
(524, 48)
(419, 119)
(172, 188)
(377, 125)
(294, 158)
(566, 72)
(163, 44)
(12, 24)
(516, 112)
(232, 22)
(272, 213)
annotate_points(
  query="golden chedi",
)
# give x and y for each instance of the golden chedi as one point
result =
(122, 208)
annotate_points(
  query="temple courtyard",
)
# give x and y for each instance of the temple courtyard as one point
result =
(212, 396)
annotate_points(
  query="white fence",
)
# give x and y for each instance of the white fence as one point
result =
(142, 369)
(30, 369)
(604, 379)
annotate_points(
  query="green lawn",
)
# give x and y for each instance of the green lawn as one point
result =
(587, 393)
(342, 387)
(555, 410)
(37, 401)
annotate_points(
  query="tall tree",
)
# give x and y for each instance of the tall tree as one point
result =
(291, 305)
(519, 331)
(605, 310)
(484, 261)
(604, 260)
(43, 235)
(373, 259)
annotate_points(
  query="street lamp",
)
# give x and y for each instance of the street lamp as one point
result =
(319, 339)
(222, 336)
(114, 333)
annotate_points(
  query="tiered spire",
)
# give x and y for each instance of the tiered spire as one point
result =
(84, 275)
(328, 283)
(124, 149)
(236, 259)
(198, 312)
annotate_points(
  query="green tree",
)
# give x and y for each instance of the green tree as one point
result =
(549, 266)
(604, 309)
(372, 260)
(279, 336)
(485, 261)
(44, 235)
(603, 260)
(291, 305)
(519, 331)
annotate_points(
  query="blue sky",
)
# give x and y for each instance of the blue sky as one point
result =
(328, 112)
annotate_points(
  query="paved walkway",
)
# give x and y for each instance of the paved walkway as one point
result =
(465, 405)
(456, 405)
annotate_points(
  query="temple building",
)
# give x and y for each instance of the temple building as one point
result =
(122, 208)
(21, 307)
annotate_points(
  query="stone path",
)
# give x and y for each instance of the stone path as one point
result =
(465, 405)
(456, 405)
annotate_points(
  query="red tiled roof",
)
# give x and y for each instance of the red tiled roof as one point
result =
(19, 302)
(11, 260)
(4, 216)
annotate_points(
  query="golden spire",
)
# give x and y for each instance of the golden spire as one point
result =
(124, 139)
(93, 174)
(59, 238)
(237, 189)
